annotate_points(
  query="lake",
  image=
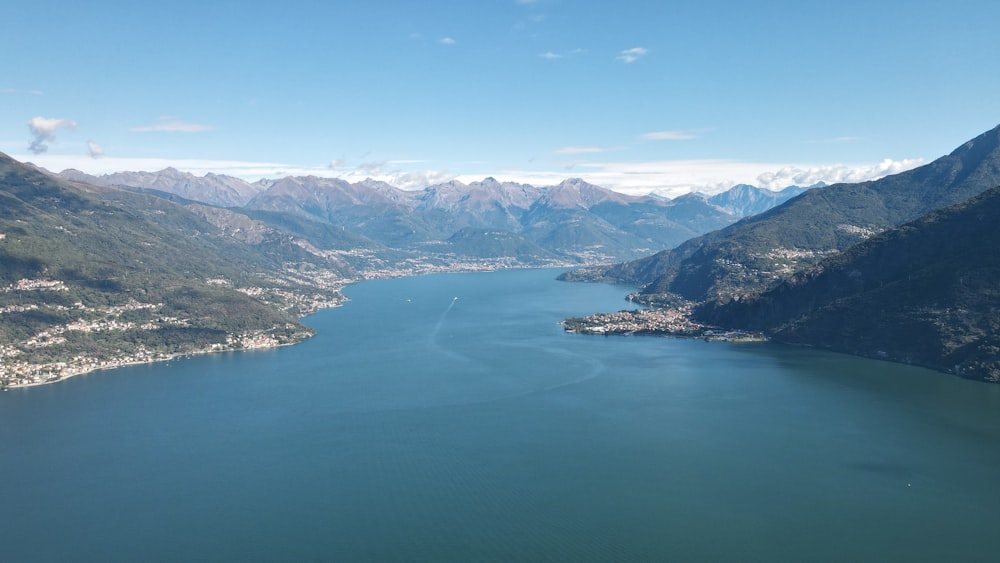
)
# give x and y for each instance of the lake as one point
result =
(450, 418)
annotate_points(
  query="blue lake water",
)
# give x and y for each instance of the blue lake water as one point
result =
(420, 427)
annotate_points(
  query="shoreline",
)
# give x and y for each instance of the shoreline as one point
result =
(181, 355)
(123, 364)
(305, 313)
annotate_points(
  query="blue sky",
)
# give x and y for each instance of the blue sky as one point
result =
(637, 96)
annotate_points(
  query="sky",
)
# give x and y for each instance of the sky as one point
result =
(636, 96)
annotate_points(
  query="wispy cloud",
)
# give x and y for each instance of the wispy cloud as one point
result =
(172, 125)
(585, 150)
(447, 41)
(44, 130)
(16, 91)
(675, 135)
(95, 150)
(553, 55)
(631, 55)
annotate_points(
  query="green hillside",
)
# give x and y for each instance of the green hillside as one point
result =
(91, 274)
(926, 293)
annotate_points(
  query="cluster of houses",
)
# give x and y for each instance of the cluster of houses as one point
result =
(675, 321)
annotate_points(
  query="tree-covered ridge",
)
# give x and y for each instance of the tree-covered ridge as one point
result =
(93, 276)
(927, 293)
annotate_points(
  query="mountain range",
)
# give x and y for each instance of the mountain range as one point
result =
(572, 222)
(899, 268)
(101, 271)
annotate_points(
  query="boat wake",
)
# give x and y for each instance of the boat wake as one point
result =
(433, 338)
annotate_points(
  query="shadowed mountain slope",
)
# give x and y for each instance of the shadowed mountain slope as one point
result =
(926, 293)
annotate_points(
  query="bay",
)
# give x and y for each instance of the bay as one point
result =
(449, 418)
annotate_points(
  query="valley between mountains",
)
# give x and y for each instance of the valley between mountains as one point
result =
(99, 272)
(102, 271)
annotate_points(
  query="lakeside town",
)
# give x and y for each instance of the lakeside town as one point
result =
(670, 321)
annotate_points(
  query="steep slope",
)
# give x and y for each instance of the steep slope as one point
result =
(95, 274)
(494, 244)
(926, 293)
(757, 252)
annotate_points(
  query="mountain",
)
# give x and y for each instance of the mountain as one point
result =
(213, 189)
(759, 251)
(573, 221)
(743, 200)
(486, 204)
(94, 276)
(925, 293)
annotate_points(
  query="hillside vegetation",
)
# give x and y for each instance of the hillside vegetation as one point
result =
(926, 293)
(94, 276)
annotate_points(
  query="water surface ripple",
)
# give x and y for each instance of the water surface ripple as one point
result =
(420, 427)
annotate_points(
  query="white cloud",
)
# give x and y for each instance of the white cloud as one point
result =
(676, 135)
(669, 178)
(833, 174)
(633, 54)
(44, 130)
(95, 150)
(16, 91)
(446, 41)
(550, 55)
(172, 125)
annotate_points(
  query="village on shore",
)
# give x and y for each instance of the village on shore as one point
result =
(669, 321)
